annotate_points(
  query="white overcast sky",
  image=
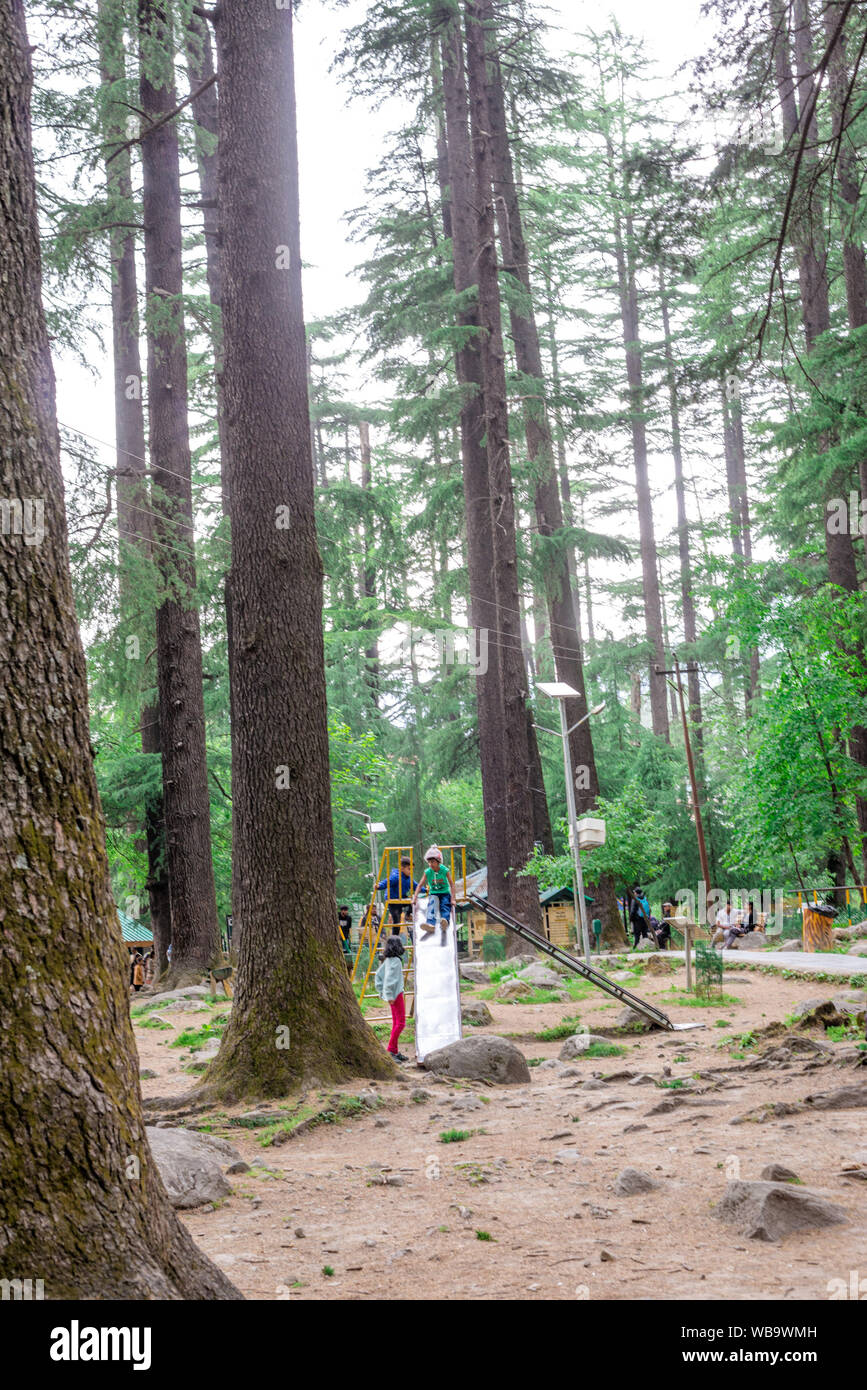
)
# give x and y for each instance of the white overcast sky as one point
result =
(338, 142)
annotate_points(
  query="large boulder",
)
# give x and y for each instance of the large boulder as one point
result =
(191, 1165)
(753, 941)
(632, 1021)
(858, 948)
(578, 1044)
(187, 992)
(475, 971)
(540, 977)
(514, 988)
(772, 1210)
(475, 1011)
(481, 1059)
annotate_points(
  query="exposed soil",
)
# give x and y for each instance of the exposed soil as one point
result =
(536, 1174)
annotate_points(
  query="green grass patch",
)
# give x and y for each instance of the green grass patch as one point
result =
(195, 1038)
(676, 1084)
(722, 1023)
(454, 1136)
(484, 1235)
(603, 1049)
(564, 1029)
(498, 973)
(694, 1001)
(154, 1022)
(327, 1271)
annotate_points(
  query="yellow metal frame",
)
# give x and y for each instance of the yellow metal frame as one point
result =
(372, 939)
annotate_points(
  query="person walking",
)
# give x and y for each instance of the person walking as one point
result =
(388, 983)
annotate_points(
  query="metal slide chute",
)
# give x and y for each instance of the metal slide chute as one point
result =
(437, 984)
(595, 977)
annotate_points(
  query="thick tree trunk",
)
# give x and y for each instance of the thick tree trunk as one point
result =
(687, 597)
(82, 1205)
(186, 806)
(522, 894)
(295, 1016)
(368, 577)
(815, 304)
(458, 202)
(561, 602)
(628, 295)
(854, 260)
(133, 509)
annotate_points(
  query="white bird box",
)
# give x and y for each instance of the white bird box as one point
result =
(591, 832)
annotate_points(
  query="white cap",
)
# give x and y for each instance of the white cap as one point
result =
(434, 853)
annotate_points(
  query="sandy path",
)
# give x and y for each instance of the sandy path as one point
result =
(537, 1172)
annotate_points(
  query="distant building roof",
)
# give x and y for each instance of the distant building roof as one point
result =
(560, 895)
(132, 931)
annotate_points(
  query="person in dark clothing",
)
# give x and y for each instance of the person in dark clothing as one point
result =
(639, 915)
(400, 884)
(344, 925)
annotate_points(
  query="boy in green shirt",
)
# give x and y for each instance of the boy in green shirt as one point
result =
(437, 881)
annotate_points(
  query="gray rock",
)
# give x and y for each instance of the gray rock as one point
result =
(514, 989)
(481, 1059)
(643, 1079)
(147, 1075)
(847, 1098)
(567, 1156)
(419, 1095)
(181, 1006)
(807, 1006)
(753, 941)
(239, 1167)
(778, 1172)
(793, 945)
(633, 1021)
(773, 1210)
(475, 971)
(188, 992)
(578, 1044)
(645, 947)
(632, 1181)
(858, 949)
(540, 977)
(191, 1165)
(475, 1011)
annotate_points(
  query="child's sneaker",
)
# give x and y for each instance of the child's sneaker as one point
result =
(401, 1057)
(444, 926)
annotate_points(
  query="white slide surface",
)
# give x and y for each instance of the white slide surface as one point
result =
(437, 985)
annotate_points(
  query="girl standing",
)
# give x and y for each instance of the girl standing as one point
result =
(388, 983)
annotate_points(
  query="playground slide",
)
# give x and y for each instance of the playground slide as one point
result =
(437, 985)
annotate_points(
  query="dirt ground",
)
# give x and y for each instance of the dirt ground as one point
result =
(377, 1206)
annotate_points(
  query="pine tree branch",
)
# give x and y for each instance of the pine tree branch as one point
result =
(163, 120)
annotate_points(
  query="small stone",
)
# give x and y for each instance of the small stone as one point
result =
(300, 1233)
(778, 1172)
(605, 1256)
(632, 1181)
(239, 1167)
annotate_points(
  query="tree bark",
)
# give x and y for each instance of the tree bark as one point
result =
(457, 199)
(522, 894)
(82, 1205)
(687, 597)
(186, 804)
(368, 586)
(561, 601)
(295, 1016)
(815, 303)
(628, 296)
(133, 503)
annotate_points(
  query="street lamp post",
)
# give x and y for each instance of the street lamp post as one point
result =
(561, 692)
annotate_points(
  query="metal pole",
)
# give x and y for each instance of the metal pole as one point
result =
(580, 905)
